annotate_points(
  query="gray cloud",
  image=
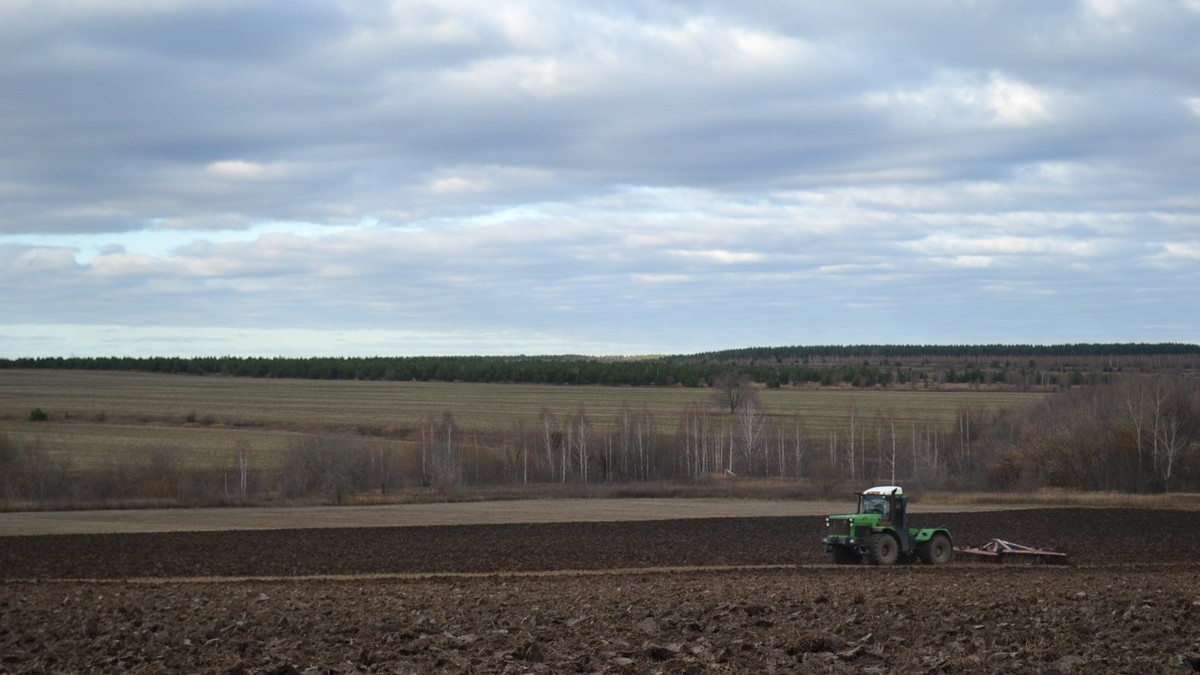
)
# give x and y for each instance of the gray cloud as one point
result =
(636, 178)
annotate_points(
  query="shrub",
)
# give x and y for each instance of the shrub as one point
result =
(38, 415)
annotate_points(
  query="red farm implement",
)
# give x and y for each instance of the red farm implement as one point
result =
(998, 550)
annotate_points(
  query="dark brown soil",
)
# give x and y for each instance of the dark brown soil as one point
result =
(1130, 603)
(1089, 536)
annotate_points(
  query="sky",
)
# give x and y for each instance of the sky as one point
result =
(338, 178)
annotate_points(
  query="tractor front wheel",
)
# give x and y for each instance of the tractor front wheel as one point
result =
(936, 551)
(883, 549)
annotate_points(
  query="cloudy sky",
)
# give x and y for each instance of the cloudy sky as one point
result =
(453, 177)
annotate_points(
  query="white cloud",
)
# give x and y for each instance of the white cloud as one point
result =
(971, 261)
(242, 170)
(996, 100)
(721, 257)
(969, 248)
(41, 260)
(1178, 252)
(510, 76)
(455, 184)
(1117, 15)
(63, 339)
(717, 46)
(662, 278)
(484, 179)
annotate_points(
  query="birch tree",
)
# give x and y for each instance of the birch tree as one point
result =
(549, 438)
(1135, 398)
(799, 445)
(697, 433)
(444, 454)
(644, 431)
(751, 426)
(1176, 426)
(625, 433)
(581, 433)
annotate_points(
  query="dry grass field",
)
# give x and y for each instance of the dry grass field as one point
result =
(307, 404)
(99, 417)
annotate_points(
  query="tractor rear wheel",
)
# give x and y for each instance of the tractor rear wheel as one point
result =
(884, 549)
(845, 556)
(936, 551)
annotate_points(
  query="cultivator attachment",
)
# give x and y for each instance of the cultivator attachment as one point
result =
(998, 550)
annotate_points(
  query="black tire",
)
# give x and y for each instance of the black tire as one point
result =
(884, 549)
(846, 556)
(936, 551)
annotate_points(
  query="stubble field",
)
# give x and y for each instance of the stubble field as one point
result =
(745, 595)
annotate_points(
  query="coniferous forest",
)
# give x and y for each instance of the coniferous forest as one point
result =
(1024, 366)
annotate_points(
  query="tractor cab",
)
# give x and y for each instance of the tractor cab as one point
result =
(887, 502)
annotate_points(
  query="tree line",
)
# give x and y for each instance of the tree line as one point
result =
(1137, 434)
(1013, 366)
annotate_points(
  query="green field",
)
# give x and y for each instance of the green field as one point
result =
(99, 416)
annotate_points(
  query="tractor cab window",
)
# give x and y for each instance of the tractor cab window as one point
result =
(875, 504)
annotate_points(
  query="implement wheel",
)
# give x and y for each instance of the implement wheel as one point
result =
(883, 549)
(936, 551)
(845, 556)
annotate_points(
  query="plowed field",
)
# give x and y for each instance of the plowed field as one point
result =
(744, 595)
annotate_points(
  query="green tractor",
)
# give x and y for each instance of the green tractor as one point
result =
(880, 531)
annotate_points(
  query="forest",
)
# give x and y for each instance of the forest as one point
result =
(1015, 366)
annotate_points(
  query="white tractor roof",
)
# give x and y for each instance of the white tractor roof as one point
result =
(884, 490)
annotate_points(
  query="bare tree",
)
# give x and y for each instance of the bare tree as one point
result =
(243, 459)
(1135, 398)
(834, 470)
(852, 429)
(445, 454)
(29, 472)
(696, 431)
(161, 476)
(382, 464)
(519, 455)
(732, 390)
(626, 424)
(799, 444)
(549, 437)
(336, 465)
(581, 434)
(1176, 425)
(565, 460)
(893, 453)
(608, 456)
(752, 431)
(643, 442)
